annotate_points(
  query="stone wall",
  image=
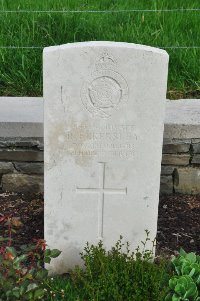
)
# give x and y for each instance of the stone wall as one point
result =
(21, 164)
(180, 171)
(21, 146)
(22, 167)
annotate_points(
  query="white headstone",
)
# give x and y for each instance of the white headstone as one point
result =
(104, 113)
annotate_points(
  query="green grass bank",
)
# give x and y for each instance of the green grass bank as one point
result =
(21, 69)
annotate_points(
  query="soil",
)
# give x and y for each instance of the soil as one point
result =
(178, 221)
(178, 224)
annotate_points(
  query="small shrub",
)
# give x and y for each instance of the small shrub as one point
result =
(117, 275)
(22, 271)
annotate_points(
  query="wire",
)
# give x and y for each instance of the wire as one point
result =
(39, 47)
(100, 11)
(21, 47)
(179, 47)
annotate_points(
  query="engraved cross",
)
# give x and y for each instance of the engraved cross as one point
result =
(101, 191)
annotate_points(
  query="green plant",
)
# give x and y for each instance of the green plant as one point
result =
(120, 274)
(183, 289)
(187, 264)
(22, 271)
(185, 285)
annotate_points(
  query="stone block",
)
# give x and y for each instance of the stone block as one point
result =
(196, 159)
(166, 185)
(174, 159)
(196, 148)
(36, 143)
(195, 140)
(167, 170)
(21, 155)
(22, 183)
(6, 167)
(174, 148)
(188, 181)
(29, 168)
(10, 142)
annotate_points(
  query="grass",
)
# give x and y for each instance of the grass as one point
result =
(21, 69)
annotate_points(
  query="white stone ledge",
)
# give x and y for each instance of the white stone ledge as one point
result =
(182, 119)
(23, 117)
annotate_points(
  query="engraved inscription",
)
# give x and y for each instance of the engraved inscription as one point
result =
(105, 90)
(101, 191)
(84, 141)
(109, 140)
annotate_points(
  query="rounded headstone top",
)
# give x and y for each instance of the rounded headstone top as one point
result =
(106, 44)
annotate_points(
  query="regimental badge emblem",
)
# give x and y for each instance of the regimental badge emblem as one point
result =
(103, 93)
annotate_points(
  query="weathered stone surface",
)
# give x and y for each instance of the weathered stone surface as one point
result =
(21, 155)
(30, 143)
(29, 168)
(166, 185)
(174, 148)
(196, 159)
(196, 140)
(167, 170)
(6, 167)
(22, 183)
(177, 141)
(103, 124)
(10, 142)
(176, 177)
(172, 159)
(188, 181)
